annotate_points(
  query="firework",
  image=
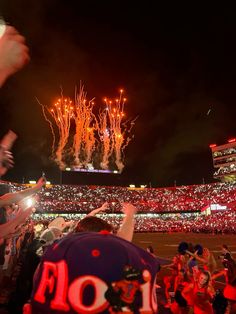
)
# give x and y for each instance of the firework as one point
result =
(84, 138)
(118, 128)
(61, 113)
(110, 127)
(105, 138)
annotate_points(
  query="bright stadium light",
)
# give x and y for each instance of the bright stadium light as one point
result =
(32, 182)
(132, 185)
(67, 169)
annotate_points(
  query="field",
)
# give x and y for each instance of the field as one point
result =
(165, 244)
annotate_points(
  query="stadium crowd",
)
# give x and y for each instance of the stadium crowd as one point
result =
(218, 223)
(70, 198)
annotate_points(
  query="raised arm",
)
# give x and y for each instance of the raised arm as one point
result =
(126, 230)
(11, 226)
(98, 210)
(10, 198)
(195, 255)
(219, 274)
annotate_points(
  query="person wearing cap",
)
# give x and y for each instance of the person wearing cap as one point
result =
(48, 237)
(94, 273)
(59, 223)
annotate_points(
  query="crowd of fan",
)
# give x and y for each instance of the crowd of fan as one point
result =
(81, 199)
(157, 208)
(228, 151)
(225, 170)
(223, 222)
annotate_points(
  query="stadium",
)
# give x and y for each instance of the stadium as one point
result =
(198, 214)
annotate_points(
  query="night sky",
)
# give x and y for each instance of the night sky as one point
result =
(176, 64)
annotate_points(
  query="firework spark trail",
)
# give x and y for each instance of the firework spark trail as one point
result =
(116, 114)
(89, 142)
(50, 124)
(84, 139)
(79, 124)
(88, 136)
(62, 114)
(128, 127)
(105, 138)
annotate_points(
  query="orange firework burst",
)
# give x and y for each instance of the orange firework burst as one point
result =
(110, 127)
(61, 112)
(105, 138)
(118, 130)
(84, 139)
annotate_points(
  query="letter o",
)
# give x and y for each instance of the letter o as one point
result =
(75, 295)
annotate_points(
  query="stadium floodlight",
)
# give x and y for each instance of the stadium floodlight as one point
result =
(142, 186)
(32, 182)
(115, 171)
(132, 185)
(68, 169)
(48, 182)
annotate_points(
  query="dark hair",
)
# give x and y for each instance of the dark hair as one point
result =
(182, 247)
(224, 246)
(94, 224)
(4, 189)
(199, 249)
(150, 249)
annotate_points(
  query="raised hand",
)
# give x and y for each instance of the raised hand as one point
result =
(128, 209)
(14, 53)
(103, 207)
(41, 182)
